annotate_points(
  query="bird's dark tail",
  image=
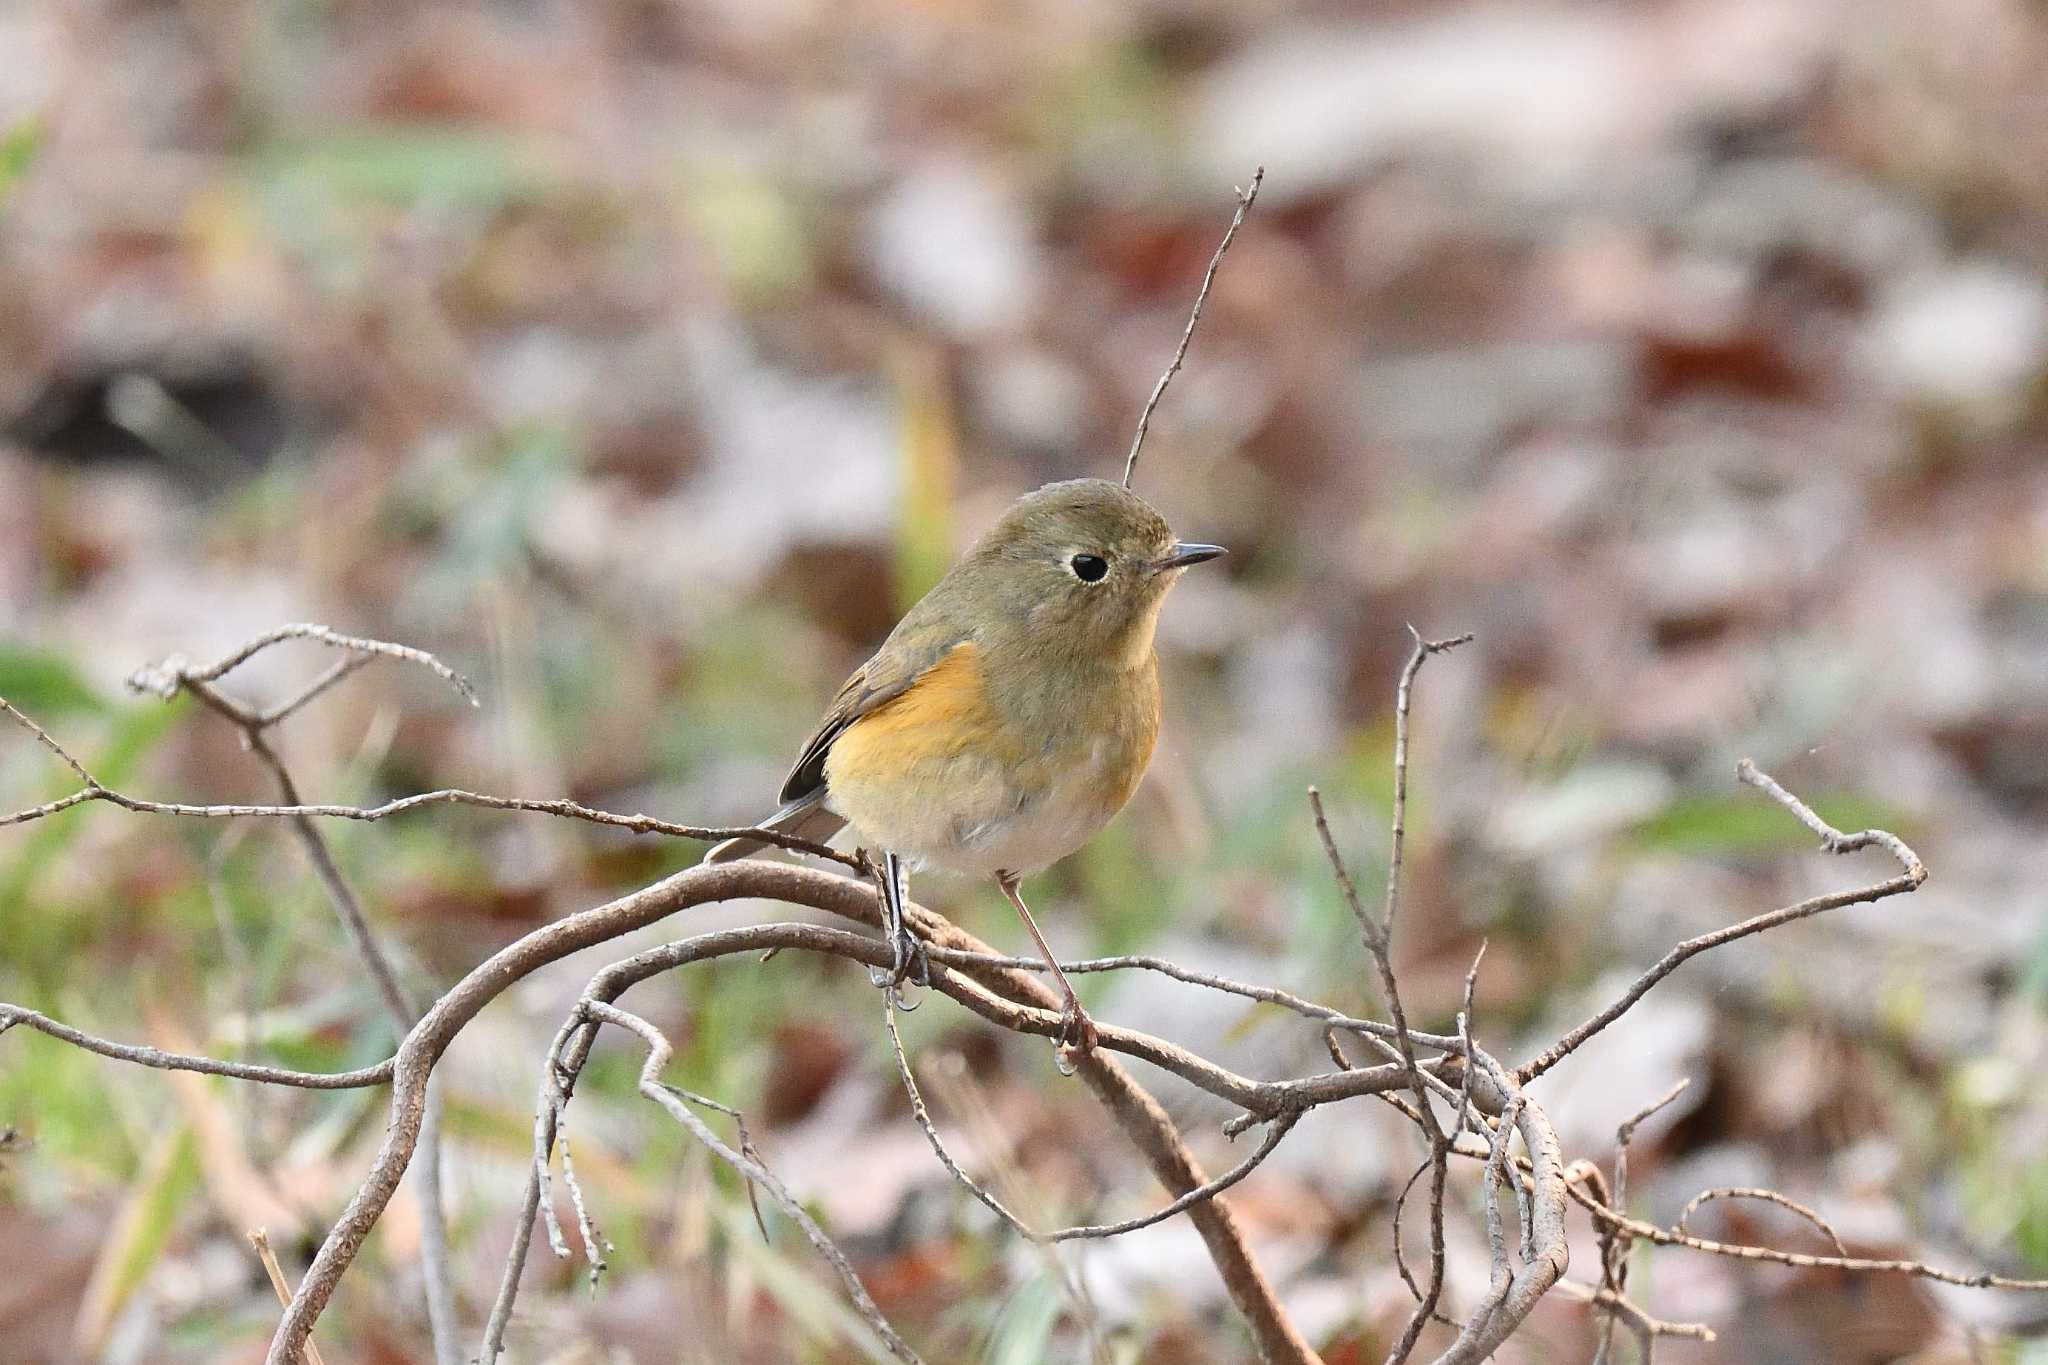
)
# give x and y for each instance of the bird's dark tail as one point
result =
(806, 818)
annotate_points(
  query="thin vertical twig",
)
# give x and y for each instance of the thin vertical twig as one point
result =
(1379, 944)
(1614, 1243)
(1403, 702)
(1379, 936)
(1245, 197)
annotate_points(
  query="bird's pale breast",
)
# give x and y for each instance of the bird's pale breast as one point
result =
(946, 777)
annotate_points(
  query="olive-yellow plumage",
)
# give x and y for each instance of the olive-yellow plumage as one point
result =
(1013, 710)
(939, 775)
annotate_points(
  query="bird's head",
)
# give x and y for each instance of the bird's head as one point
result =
(1082, 567)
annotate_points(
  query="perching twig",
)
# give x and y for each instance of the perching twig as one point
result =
(1135, 1111)
(1244, 205)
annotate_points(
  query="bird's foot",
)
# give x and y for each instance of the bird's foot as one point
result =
(911, 963)
(1076, 1039)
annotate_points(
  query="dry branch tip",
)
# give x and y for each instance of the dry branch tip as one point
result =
(1245, 198)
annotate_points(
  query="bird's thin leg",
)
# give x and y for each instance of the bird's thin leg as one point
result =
(910, 962)
(1077, 1030)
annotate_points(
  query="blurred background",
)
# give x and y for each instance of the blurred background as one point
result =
(643, 359)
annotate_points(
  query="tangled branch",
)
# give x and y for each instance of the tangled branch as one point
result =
(1463, 1102)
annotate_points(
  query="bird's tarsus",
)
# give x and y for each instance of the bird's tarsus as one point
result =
(909, 961)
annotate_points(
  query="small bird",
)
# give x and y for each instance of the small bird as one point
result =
(1009, 715)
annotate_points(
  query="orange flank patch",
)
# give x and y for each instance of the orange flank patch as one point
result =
(946, 710)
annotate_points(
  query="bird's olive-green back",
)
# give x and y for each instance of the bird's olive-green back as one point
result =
(1053, 646)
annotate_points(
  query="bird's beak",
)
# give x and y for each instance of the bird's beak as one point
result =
(1186, 553)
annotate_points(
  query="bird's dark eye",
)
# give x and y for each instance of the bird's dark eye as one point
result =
(1089, 568)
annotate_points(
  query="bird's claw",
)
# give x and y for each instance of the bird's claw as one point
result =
(919, 968)
(911, 964)
(1077, 1037)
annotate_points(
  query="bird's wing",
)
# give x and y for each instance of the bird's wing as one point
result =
(908, 654)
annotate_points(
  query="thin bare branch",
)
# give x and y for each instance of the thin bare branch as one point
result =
(570, 810)
(399, 1005)
(1832, 839)
(1614, 1245)
(1438, 1166)
(49, 808)
(1245, 197)
(1403, 699)
(1266, 995)
(1626, 1133)
(43, 738)
(544, 1166)
(1496, 1240)
(166, 678)
(1379, 947)
(380, 1074)
(1821, 1224)
(658, 1051)
(923, 1117)
(340, 669)
(1278, 1129)
(1379, 944)
(1347, 888)
(1379, 937)
(559, 1070)
(1650, 1232)
(595, 1244)
(1637, 1320)
(1466, 1050)
(1426, 1300)
(1544, 1254)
